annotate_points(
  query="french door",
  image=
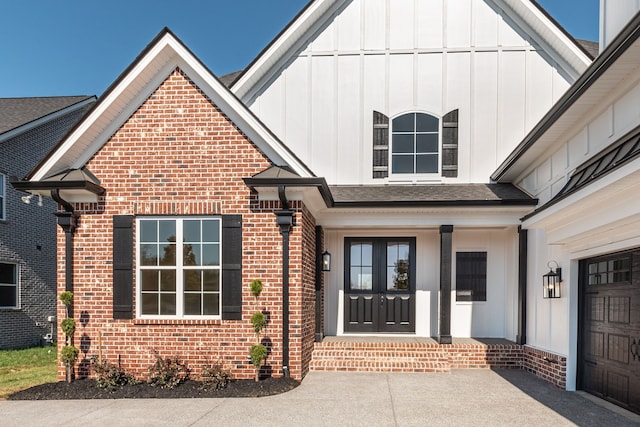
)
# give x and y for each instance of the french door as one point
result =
(379, 283)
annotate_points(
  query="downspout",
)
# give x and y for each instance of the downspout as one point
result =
(285, 222)
(67, 220)
(521, 338)
(319, 283)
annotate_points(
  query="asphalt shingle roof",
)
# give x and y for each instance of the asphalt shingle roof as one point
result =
(430, 194)
(16, 112)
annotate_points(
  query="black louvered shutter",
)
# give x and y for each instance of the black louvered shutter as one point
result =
(232, 267)
(123, 267)
(450, 144)
(380, 145)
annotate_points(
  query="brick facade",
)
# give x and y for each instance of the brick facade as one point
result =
(28, 236)
(548, 366)
(178, 154)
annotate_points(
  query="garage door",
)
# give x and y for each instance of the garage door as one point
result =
(610, 328)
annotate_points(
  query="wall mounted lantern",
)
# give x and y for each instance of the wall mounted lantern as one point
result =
(551, 281)
(326, 261)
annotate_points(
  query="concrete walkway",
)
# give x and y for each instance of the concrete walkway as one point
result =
(462, 398)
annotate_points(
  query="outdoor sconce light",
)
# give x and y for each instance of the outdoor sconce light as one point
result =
(551, 281)
(326, 261)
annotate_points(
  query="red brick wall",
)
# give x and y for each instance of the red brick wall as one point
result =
(548, 366)
(178, 154)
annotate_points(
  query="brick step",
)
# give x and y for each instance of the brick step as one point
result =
(378, 366)
(411, 357)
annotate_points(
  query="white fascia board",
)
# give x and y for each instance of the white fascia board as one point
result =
(44, 119)
(563, 50)
(278, 52)
(55, 162)
(421, 217)
(136, 87)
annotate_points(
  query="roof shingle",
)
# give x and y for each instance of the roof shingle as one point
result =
(430, 194)
(16, 112)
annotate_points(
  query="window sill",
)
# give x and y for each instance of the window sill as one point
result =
(173, 322)
(10, 309)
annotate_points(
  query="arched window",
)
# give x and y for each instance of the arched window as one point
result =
(415, 144)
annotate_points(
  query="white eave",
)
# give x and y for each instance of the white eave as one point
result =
(135, 85)
(569, 56)
(277, 52)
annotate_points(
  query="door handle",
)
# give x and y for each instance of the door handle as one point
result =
(381, 299)
(634, 349)
(589, 362)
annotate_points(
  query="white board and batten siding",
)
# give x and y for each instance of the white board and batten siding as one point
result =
(396, 56)
(606, 122)
(494, 318)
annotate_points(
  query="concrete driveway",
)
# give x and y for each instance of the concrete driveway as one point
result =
(462, 398)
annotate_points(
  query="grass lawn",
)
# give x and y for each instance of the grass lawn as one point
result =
(20, 369)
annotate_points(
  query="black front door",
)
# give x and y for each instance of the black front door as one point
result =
(379, 282)
(610, 328)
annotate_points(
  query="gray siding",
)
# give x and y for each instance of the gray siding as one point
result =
(28, 236)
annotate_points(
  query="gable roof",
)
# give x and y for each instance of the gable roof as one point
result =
(163, 55)
(603, 75)
(18, 112)
(569, 54)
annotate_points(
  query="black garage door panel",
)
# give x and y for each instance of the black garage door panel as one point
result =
(610, 328)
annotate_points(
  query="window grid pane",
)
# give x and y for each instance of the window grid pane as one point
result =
(2, 196)
(179, 263)
(8, 285)
(471, 276)
(361, 268)
(415, 144)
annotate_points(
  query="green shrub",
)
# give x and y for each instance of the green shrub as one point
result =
(168, 372)
(258, 321)
(214, 376)
(256, 287)
(111, 376)
(66, 298)
(257, 354)
(68, 326)
(69, 355)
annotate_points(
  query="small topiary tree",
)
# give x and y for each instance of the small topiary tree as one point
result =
(69, 353)
(258, 351)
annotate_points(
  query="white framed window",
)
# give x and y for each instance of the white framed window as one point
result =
(9, 285)
(3, 197)
(179, 267)
(415, 144)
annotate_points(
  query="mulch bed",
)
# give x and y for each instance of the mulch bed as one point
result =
(88, 389)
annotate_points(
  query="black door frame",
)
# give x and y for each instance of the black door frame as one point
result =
(379, 296)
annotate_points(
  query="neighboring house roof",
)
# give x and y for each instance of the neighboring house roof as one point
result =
(593, 48)
(431, 195)
(566, 51)
(162, 56)
(228, 79)
(602, 76)
(17, 112)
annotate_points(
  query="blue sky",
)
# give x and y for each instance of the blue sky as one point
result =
(78, 47)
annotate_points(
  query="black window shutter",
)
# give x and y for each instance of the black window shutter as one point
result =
(123, 267)
(232, 267)
(450, 144)
(380, 145)
(471, 276)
